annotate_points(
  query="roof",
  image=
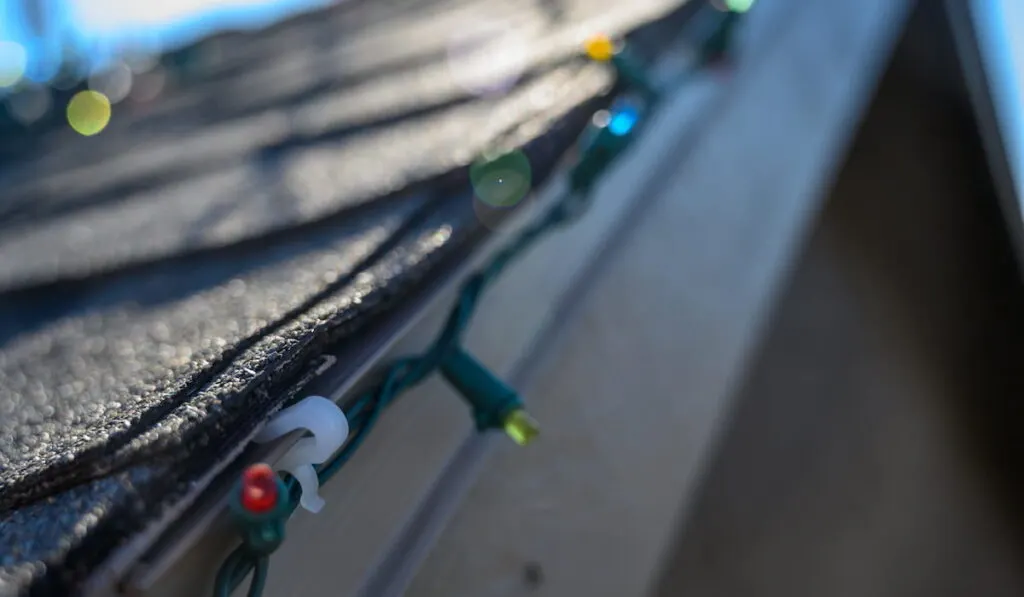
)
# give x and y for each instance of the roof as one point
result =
(169, 283)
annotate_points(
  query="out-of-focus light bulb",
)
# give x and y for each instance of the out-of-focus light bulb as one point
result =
(599, 47)
(141, 62)
(739, 5)
(88, 112)
(114, 82)
(623, 121)
(147, 86)
(29, 104)
(502, 180)
(13, 60)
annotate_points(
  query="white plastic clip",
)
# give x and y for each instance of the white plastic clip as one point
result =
(326, 421)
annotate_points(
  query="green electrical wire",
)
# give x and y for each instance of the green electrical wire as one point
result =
(601, 148)
(363, 411)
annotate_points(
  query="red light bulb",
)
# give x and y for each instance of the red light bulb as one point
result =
(259, 489)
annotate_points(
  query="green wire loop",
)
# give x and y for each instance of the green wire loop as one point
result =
(236, 567)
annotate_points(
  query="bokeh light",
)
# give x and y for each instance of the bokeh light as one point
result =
(623, 121)
(502, 180)
(13, 60)
(599, 47)
(88, 34)
(88, 112)
(148, 86)
(739, 5)
(69, 77)
(141, 62)
(29, 104)
(114, 82)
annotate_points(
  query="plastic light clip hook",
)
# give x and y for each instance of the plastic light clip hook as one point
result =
(329, 428)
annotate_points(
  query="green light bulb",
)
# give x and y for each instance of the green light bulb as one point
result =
(739, 5)
(521, 427)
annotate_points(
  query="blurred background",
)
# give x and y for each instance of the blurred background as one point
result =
(51, 47)
(40, 36)
(48, 48)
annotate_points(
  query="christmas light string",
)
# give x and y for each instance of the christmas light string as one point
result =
(263, 501)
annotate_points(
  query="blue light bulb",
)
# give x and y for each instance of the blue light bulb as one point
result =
(623, 121)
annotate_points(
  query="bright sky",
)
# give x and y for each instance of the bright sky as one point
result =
(172, 22)
(127, 16)
(103, 15)
(1002, 31)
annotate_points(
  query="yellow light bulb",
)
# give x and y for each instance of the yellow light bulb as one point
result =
(521, 427)
(88, 112)
(600, 48)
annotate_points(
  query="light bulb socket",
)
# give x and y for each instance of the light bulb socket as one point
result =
(494, 405)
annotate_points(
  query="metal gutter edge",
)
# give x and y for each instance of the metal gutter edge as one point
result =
(395, 572)
(982, 86)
